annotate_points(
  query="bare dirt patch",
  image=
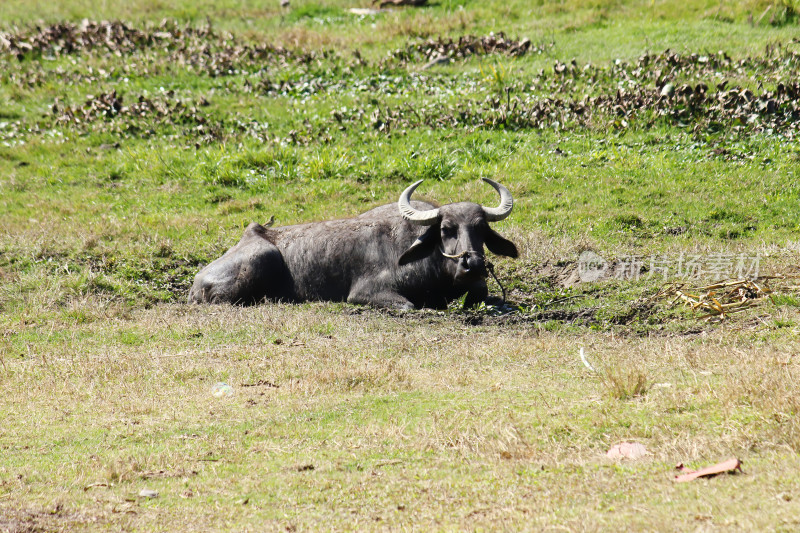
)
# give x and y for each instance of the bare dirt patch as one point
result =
(40, 521)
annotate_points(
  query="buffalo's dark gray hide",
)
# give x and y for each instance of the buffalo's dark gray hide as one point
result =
(380, 258)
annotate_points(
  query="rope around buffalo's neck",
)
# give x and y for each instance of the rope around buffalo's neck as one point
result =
(489, 266)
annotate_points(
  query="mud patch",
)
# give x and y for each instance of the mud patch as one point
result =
(578, 317)
(29, 521)
(637, 311)
(572, 274)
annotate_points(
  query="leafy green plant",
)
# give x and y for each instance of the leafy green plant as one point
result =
(496, 76)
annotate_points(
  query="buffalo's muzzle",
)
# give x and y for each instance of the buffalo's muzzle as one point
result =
(471, 266)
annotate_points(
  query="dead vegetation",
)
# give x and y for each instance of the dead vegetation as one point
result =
(708, 94)
(720, 300)
(196, 48)
(624, 383)
(638, 95)
(107, 106)
(112, 36)
(703, 109)
(467, 46)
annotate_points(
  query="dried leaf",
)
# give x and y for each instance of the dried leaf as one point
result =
(627, 450)
(730, 466)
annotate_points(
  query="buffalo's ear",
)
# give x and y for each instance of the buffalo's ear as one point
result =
(423, 246)
(499, 245)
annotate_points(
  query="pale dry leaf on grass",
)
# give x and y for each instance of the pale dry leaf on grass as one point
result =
(731, 466)
(627, 450)
(363, 11)
(98, 484)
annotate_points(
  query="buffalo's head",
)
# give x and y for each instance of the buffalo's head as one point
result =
(458, 232)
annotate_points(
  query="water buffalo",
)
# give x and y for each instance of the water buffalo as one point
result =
(405, 255)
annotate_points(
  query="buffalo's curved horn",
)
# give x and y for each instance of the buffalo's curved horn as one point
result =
(423, 218)
(493, 214)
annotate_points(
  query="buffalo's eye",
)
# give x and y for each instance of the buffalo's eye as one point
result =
(449, 231)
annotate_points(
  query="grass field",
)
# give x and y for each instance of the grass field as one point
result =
(139, 138)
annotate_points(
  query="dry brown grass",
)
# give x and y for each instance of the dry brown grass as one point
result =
(393, 26)
(308, 39)
(422, 24)
(405, 419)
(624, 384)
